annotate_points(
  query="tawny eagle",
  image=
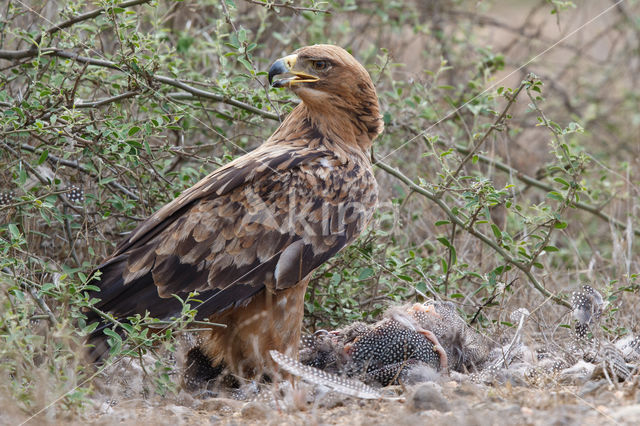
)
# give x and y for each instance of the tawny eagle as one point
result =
(248, 236)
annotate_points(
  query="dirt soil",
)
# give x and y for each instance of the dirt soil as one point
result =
(443, 402)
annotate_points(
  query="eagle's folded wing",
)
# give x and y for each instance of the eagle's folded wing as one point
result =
(265, 221)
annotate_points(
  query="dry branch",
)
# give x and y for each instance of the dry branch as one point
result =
(499, 121)
(526, 269)
(196, 93)
(297, 9)
(541, 185)
(27, 53)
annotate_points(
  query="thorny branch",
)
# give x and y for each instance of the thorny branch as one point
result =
(74, 164)
(531, 181)
(288, 5)
(31, 288)
(499, 121)
(526, 269)
(197, 93)
(27, 53)
(194, 92)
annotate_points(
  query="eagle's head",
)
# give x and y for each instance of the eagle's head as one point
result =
(330, 82)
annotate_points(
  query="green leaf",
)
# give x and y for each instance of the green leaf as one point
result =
(560, 225)
(444, 241)
(14, 231)
(442, 222)
(496, 231)
(134, 130)
(184, 43)
(550, 249)
(114, 340)
(246, 64)
(562, 181)
(365, 273)
(555, 196)
(43, 156)
(147, 148)
(242, 35)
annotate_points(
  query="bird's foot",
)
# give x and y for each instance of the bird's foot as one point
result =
(437, 347)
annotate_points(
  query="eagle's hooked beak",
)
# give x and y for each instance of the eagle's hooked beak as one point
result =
(287, 65)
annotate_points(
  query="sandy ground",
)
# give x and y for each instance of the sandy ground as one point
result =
(447, 402)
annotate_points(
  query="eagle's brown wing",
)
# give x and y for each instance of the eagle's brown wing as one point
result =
(265, 220)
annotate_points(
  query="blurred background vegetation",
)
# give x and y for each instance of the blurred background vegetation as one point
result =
(508, 167)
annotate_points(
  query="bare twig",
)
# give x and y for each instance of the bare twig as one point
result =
(31, 288)
(450, 259)
(227, 15)
(297, 9)
(85, 16)
(105, 101)
(196, 93)
(531, 181)
(76, 57)
(477, 146)
(67, 231)
(42, 305)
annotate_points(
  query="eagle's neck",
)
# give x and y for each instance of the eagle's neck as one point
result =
(352, 127)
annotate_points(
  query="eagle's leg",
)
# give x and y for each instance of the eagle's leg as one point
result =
(200, 373)
(270, 321)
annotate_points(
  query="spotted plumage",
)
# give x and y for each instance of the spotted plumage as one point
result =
(614, 364)
(383, 354)
(465, 348)
(431, 334)
(319, 377)
(248, 235)
(328, 350)
(7, 197)
(630, 348)
(587, 307)
(380, 353)
(75, 194)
